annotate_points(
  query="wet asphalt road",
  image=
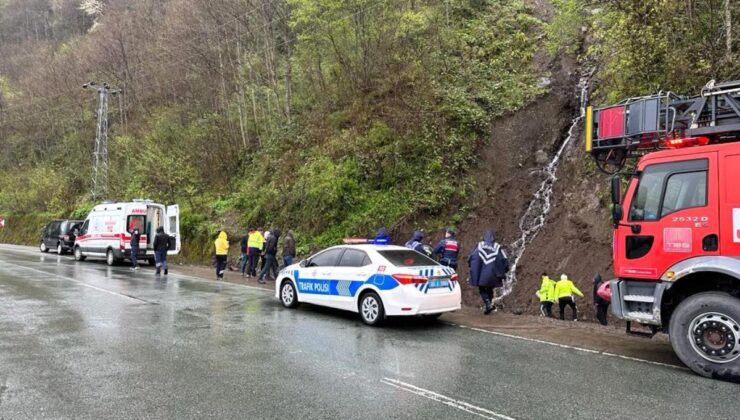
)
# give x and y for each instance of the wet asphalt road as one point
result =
(84, 340)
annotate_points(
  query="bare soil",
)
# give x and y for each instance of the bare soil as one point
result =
(576, 238)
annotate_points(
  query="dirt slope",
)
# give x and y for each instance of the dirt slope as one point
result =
(576, 238)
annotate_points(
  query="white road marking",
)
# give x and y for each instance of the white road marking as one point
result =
(566, 346)
(434, 396)
(82, 283)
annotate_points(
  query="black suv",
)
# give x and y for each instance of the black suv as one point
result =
(59, 235)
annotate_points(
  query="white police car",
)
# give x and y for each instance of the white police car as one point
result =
(374, 280)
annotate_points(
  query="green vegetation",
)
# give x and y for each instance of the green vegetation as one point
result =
(329, 117)
(649, 45)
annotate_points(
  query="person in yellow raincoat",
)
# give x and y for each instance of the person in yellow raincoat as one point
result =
(222, 252)
(546, 295)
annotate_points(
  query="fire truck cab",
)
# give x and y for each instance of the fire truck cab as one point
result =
(676, 244)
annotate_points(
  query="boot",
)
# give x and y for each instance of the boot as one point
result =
(489, 307)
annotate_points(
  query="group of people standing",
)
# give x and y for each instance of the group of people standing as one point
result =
(564, 292)
(161, 245)
(487, 262)
(489, 265)
(256, 247)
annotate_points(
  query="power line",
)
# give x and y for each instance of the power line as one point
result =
(100, 155)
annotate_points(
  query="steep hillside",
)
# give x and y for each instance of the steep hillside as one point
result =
(625, 52)
(331, 118)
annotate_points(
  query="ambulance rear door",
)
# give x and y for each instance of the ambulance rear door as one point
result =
(173, 228)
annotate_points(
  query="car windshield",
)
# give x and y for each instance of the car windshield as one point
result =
(406, 258)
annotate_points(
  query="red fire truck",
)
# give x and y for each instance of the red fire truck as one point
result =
(676, 242)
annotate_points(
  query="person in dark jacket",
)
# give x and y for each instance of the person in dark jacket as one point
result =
(161, 245)
(448, 249)
(135, 239)
(271, 247)
(382, 237)
(415, 242)
(288, 249)
(244, 260)
(602, 306)
(488, 267)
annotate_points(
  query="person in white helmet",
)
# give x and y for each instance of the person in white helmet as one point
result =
(565, 292)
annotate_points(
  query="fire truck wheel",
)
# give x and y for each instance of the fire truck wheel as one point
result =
(705, 334)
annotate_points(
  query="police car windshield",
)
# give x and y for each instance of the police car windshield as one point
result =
(406, 258)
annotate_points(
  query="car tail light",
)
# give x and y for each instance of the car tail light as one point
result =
(454, 277)
(122, 244)
(410, 279)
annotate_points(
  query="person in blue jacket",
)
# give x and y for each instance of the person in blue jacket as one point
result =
(488, 267)
(415, 242)
(448, 249)
(382, 238)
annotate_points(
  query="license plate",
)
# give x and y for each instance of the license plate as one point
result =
(436, 284)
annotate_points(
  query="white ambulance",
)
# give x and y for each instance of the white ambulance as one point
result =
(106, 232)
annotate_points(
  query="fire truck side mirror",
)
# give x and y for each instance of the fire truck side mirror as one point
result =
(617, 214)
(616, 190)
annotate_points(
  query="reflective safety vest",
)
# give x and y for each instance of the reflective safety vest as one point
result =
(566, 288)
(255, 240)
(547, 290)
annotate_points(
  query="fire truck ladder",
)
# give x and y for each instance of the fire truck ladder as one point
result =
(640, 125)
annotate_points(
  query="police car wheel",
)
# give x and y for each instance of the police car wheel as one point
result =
(60, 250)
(288, 295)
(371, 309)
(43, 247)
(705, 334)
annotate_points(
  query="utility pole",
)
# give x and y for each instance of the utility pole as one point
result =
(100, 155)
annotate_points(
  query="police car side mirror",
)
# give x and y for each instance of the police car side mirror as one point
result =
(303, 263)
